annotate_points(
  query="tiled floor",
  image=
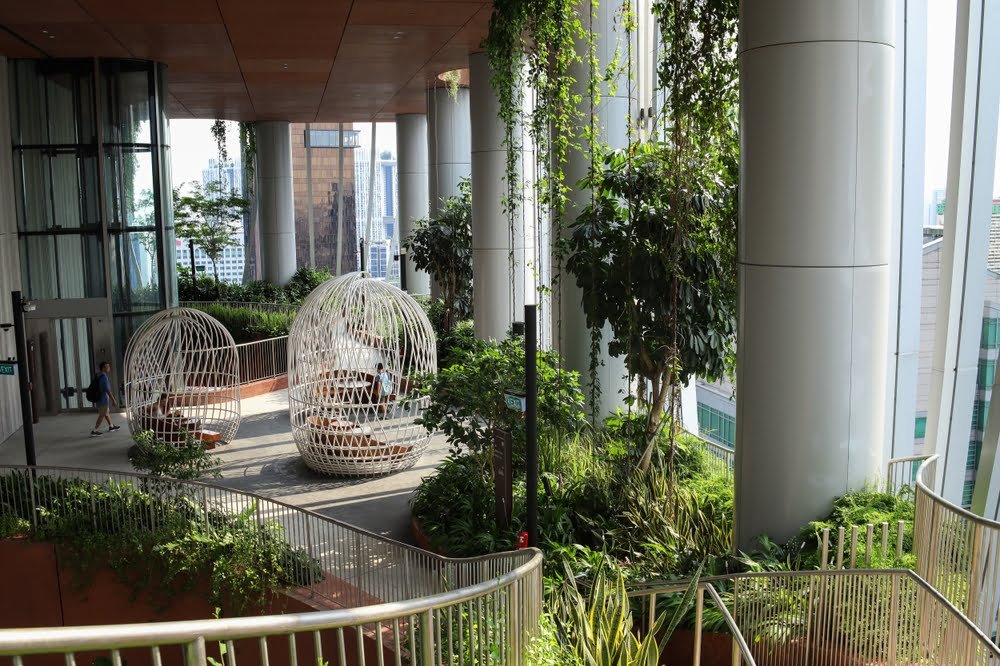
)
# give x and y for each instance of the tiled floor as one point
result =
(262, 460)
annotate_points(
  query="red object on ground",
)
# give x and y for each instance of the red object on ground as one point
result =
(522, 540)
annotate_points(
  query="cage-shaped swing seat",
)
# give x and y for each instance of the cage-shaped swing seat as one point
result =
(348, 417)
(182, 378)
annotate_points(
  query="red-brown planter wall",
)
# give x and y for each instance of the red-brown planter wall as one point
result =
(38, 591)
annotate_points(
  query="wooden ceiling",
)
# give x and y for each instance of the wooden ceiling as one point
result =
(296, 60)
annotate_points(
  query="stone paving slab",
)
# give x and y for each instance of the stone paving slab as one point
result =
(262, 460)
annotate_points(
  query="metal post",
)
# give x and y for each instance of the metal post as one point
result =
(402, 269)
(361, 248)
(23, 380)
(194, 277)
(530, 415)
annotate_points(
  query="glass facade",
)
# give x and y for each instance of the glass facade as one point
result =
(92, 180)
(716, 426)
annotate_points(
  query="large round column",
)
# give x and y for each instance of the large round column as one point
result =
(815, 212)
(611, 116)
(411, 143)
(448, 148)
(499, 255)
(277, 212)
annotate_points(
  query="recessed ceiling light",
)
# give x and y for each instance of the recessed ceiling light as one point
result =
(45, 32)
(284, 66)
(52, 36)
(398, 35)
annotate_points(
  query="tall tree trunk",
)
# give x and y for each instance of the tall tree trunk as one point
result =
(661, 389)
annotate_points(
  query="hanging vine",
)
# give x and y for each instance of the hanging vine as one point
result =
(219, 134)
(534, 44)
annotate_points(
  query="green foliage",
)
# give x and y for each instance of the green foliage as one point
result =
(247, 324)
(545, 648)
(598, 627)
(211, 217)
(157, 539)
(861, 508)
(467, 398)
(455, 508)
(457, 344)
(443, 248)
(156, 458)
(654, 259)
(304, 281)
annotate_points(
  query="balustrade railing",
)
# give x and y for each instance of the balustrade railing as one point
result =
(404, 602)
(263, 359)
(958, 552)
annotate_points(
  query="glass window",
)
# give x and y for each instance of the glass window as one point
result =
(62, 266)
(987, 368)
(135, 275)
(128, 176)
(920, 427)
(127, 95)
(330, 138)
(54, 102)
(56, 189)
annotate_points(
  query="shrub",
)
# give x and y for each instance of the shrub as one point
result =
(860, 508)
(157, 538)
(247, 324)
(304, 281)
(467, 399)
(156, 458)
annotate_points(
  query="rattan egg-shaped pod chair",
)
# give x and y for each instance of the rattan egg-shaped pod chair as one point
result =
(355, 348)
(182, 379)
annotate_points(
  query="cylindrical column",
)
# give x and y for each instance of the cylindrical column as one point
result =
(499, 253)
(277, 212)
(815, 216)
(611, 118)
(411, 142)
(448, 148)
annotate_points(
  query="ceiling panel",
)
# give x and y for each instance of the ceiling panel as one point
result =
(152, 11)
(313, 60)
(408, 12)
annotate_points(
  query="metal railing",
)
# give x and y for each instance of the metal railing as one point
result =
(282, 308)
(958, 552)
(404, 602)
(862, 616)
(649, 596)
(263, 359)
(902, 473)
(721, 459)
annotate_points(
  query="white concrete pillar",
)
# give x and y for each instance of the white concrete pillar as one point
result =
(449, 152)
(275, 199)
(961, 291)
(816, 83)
(499, 252)
(906, 262)
(569, 330)
(414, 204)
(10, 265)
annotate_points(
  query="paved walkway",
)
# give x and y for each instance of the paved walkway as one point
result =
(262, 460)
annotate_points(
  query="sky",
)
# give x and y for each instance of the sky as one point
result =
(940, 64)
(192, 145)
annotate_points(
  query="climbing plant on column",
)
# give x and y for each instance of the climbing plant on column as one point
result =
(655, 252)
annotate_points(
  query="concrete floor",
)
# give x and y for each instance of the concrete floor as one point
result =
(262, 460)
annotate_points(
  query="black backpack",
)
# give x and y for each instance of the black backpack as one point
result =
(93, 392)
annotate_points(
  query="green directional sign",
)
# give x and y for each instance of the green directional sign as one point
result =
(7, 368)
(515, 401)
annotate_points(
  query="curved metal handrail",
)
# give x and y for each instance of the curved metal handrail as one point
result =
(958, 552)
(38, 640)
(405, 596)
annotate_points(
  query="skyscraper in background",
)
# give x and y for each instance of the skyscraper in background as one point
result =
(231, 264)
(383, 244)
(316, 183)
